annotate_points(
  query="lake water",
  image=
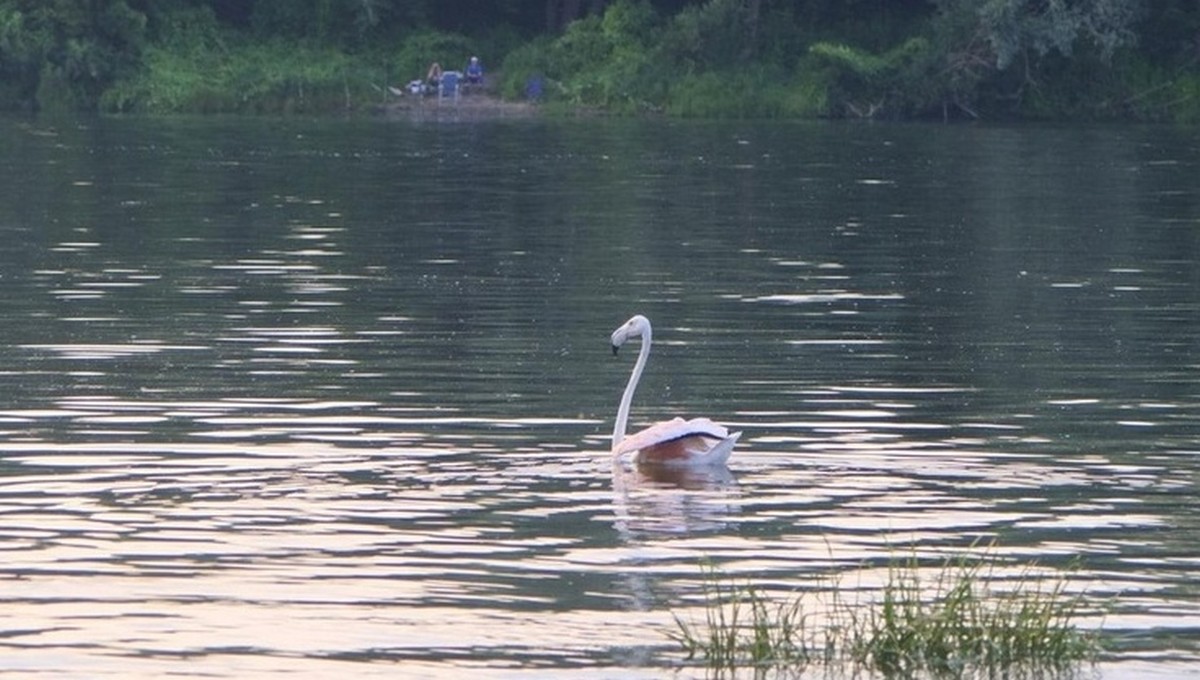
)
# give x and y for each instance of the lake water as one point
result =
(316, 399)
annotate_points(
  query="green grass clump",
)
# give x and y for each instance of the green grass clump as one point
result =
(959, 622)
(742, 627)
(963, 621)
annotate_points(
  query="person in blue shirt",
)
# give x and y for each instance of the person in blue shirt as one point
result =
(474, 72)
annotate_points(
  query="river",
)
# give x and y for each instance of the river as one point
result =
(330, 398)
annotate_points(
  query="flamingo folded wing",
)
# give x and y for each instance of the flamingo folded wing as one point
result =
(671, 430)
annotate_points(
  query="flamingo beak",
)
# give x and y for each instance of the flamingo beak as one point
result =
(615, 348)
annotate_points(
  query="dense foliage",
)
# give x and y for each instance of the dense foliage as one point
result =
(1092, 59)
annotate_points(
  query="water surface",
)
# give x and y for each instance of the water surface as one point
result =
(302, 398)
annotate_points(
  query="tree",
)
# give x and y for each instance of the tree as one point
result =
(63, 53)
(560, 13)
(1001, 47)
(1035, 28)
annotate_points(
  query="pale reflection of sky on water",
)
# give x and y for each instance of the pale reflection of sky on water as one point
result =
(332, 398)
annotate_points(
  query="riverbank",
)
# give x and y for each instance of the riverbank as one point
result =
(474, 106)
(1114, 61)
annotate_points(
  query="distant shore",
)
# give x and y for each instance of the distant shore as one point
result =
(473, 106)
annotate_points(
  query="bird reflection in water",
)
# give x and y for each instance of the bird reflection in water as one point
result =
(657, 500)
(656, 506)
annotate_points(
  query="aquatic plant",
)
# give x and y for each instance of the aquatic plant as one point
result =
(963, 620)
(741, 627)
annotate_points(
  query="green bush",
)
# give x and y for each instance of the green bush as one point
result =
(708, 36)
(531, 60)
(711, 58)
(708, 95)
(196, 66)
(628, 61)
(248, 78)
(420, 49)
(862, 84)
(1183, 99)
(607, 61)
(1152, 92)
(747, 94)
(806, 96)
(61, 56)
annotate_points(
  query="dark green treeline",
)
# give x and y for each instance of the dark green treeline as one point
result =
(894, 59)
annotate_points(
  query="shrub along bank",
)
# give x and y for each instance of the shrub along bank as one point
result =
(913, 59)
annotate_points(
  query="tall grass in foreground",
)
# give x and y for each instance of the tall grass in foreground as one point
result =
(957, 623)
(741, 627)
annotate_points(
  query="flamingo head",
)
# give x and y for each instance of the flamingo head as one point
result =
(636, 327)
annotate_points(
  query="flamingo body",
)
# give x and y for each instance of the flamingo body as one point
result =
(677, 442)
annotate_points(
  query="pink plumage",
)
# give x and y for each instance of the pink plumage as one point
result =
(680, 442)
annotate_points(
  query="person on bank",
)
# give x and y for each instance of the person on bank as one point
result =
(433, 77)
(474, 72)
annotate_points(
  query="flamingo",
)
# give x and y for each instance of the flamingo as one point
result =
(677, 442)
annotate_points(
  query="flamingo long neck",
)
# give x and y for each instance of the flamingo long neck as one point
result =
(627, 398)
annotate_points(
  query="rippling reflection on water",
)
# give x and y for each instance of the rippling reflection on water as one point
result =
(333, 398)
